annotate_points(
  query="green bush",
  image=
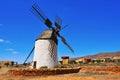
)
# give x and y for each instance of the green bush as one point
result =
(80, 62)
(72, 62)
(43, 67)
(7, 64)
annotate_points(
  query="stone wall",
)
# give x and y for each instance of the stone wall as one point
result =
(42, 72)
(101, 68)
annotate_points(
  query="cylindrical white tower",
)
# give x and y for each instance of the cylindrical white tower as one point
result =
(45, 53)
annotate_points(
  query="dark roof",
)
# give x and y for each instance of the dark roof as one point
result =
(65, 57)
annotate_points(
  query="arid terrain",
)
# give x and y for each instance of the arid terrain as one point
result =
(86, 73)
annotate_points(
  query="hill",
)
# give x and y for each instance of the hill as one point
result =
(102, 55)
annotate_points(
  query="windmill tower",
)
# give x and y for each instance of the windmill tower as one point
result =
(45, 53)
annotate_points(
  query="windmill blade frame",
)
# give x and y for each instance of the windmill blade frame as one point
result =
(65, 42)
(36, 11)
(65, 27)
(58, 23)
(29, 55)
(58, 27)
(58, 20)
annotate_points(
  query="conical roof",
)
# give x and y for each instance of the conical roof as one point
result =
(48, 34)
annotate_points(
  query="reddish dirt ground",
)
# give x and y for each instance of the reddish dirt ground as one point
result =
(86, 73)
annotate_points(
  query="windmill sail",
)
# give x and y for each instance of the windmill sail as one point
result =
(36, 10)
(58, 23)
(65, 42)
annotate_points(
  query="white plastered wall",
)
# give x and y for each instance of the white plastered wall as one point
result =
(45, 53)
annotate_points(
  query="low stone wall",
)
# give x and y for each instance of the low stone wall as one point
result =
(101, 68)
(42, 72)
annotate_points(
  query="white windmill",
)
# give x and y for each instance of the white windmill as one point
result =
(45, 53)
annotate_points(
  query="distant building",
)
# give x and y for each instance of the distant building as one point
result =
(2, 63)
(65, 59)
(87, 60)
(79, 60)
(108, 59)
(117, 57)
(84, 60)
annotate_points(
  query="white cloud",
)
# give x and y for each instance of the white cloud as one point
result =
(10, 49)
(14, 52)
(2, 40)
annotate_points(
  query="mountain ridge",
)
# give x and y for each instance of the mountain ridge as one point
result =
(101, 55)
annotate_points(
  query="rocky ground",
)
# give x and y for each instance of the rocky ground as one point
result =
(86, 73)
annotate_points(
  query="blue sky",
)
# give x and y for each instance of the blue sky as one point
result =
(94, 26)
